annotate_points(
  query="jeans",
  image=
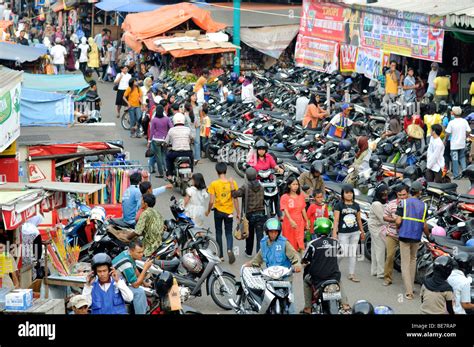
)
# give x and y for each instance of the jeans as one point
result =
(140, 303)
(59, 69)
(160, 156)
(408, 257)
(172, 155)
(135, 115)
(256, 222)
(458, 156)
(349, 242)
(204, 141)
(219, 218)
(104, 72)
(83, 67)
(197, 145)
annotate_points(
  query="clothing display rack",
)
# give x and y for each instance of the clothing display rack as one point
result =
(116, 179)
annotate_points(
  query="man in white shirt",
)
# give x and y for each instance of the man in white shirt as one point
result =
(435, 156)
(122, 80)
(461, 283)
(459, 129)
(108, 293)
(301, 103)
(58, 52)
(431, 77)
(248, 95)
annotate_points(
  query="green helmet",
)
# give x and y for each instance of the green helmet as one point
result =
(322, 226)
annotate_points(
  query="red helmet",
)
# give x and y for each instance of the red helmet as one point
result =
(241, 79)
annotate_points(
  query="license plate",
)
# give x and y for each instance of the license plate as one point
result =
(332, 296)
(185, 171)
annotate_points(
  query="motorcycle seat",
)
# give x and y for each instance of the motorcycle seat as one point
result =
(443, 186)
(252, 277)
(455, 244)
(466, 198)
(119, 222)
(168, 265)
(364, 198)
(223, 124)
(334, 186)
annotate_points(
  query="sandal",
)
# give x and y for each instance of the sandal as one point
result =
(409, 296)
(353, 278)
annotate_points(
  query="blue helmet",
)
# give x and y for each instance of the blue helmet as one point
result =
(382, 309)
(345, 145)
(230, 98)
(234, 77)
(470, 243)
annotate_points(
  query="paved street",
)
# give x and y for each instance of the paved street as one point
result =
(369, 288)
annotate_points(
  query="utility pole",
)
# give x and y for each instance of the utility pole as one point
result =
(236, 32)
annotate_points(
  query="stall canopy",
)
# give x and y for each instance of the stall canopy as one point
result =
(54, 83)
(141, 26)
(72, 150)
(272, 40)
(40, 108)
(16, 52)
(131, 6)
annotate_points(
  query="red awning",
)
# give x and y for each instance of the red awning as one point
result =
(70, 149)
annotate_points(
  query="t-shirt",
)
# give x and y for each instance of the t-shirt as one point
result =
(458, 128)
(123, 84)
(83, 48)
(347, 217)
(434, 302)
(443, 84)
(461, 289)
(112, 52)
(316, 211)
(391, 85)
(131, 202)
(127, 266)
(133, 96)
(7, 281)
(221, 190)
(376, 221)
(409, 94)
(429, 120)
(205, 127)
(58, 52)
(224, 90)
(301, 104)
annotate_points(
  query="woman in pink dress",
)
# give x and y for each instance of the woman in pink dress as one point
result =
(295, 220)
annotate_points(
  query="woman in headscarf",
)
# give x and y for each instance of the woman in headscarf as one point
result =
(58, 34)
(93, 61)
(70, 58)
(147, 83)
(376, 221)
(313, 113)
(48, 32)
(362, 158)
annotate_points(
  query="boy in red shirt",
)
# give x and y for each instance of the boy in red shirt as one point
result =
(317, 209)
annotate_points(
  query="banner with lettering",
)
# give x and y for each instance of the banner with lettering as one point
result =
(316, 54)
(404, 33)
(369, 62)
(322, 20)
(348, 58)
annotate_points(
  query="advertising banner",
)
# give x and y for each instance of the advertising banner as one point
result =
(322, 20)
(369, 62)
(348, 58)
(10, 116)
(316, 54)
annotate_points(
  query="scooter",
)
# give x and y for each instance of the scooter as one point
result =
(327, 298)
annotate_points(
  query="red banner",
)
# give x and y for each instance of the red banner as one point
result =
(13, 219)
(322, 20)
(316, 54)
(348, 57)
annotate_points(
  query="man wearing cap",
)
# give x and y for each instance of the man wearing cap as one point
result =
(459, 129)
(431, 77)
(411, 223)
(392, 82)
(79, 304)
(337, 126)
(58, 52)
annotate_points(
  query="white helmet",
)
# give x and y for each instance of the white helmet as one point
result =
(98, 213)
(179, 118)
(191, 263)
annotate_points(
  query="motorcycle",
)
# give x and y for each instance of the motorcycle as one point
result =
(182, 174)
(327, 298)
(269, 183)
(264, 291)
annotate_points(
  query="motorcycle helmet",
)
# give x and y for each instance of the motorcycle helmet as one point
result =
(322, 226)
(362, 307)
(469, 172)
(410, 172)
(339, 79)
(348, 81)
(354, 75)
(234, 77)
(98, 213)
(316, 166)
(251, 174)
(470, 242)
(272, 224)
(345, 145)
(443, 106)
(191, 263)
(463, 261)
(438, 231)
(100, 259)
(241, 79)
(261, 144)
(163, 283)
(230, 99)
(179, 118)
(375, 162)
(443, 266)
(382, 309)
(387, 148)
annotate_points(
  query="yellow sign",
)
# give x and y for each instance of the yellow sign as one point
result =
(10, 151)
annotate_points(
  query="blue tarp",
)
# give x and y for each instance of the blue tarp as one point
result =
(54, 83)
(45, 109)
(16, 52)
(127, 6)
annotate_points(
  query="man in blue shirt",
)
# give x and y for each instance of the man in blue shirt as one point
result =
(132, 200)
(125, 263)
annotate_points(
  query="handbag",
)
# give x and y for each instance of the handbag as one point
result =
(415, 131)
(149, 153)
(115, 87)
(339, 129)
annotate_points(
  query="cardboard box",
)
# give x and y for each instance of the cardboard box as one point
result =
(19, 300)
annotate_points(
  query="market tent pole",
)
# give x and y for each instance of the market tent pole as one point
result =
(93, 15)
(236, 33)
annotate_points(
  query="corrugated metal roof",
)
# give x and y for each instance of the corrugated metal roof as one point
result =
(432, 7)
(9, 78)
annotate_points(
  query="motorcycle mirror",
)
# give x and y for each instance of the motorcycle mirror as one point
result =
(285, 136)
(351, 170)
(461, 225)
(408, 150)
(306, 151)
(326, 79)
(271, 128)
(365, 91)
(319, 155)
(465, 102)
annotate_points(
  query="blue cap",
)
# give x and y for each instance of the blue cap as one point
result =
(346, 106)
